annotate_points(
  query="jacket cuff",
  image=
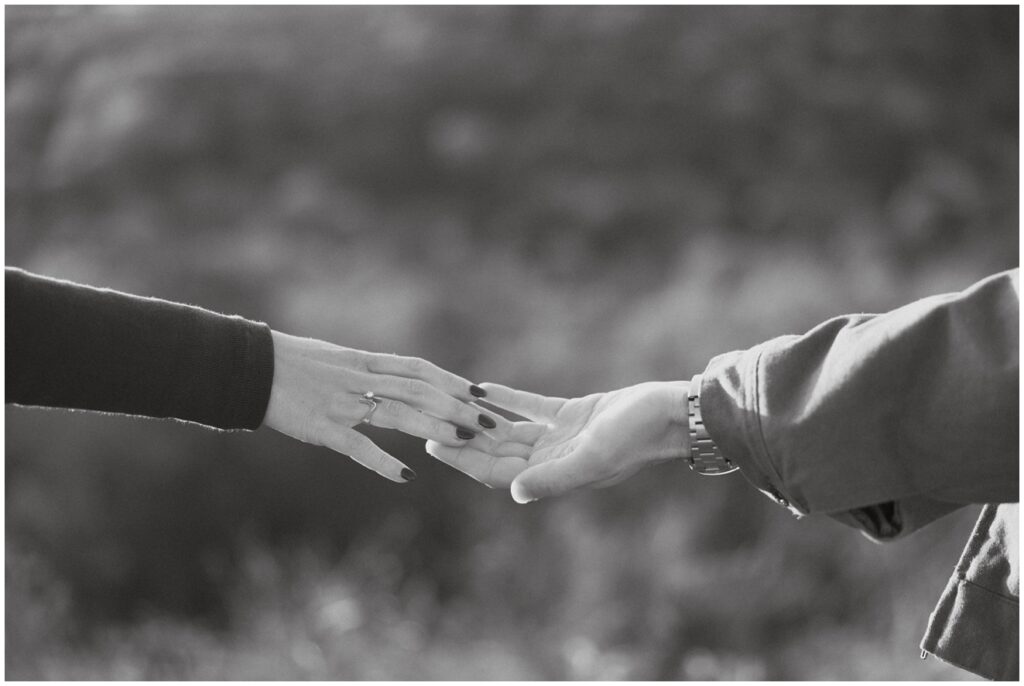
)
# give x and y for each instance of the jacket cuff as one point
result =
(730, 407)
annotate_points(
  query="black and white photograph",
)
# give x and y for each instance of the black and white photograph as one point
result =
(511, 343)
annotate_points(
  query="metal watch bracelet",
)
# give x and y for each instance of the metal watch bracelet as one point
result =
(705, 457)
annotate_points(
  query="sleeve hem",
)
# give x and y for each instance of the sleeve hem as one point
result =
(730, 406)
(254, 370)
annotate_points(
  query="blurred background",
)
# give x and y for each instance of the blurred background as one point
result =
(563, 199)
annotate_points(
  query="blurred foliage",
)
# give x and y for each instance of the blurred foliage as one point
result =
(567, 199)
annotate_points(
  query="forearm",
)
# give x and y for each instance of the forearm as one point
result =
(918, 405)
(75, 346)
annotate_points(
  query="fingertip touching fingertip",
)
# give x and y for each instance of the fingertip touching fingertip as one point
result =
(477, 392)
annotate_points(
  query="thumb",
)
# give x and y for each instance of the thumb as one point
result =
(556, 477)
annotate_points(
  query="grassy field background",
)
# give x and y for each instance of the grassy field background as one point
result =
(563, 199)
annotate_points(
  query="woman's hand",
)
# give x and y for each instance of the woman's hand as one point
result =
(317, 397)
(596, 441)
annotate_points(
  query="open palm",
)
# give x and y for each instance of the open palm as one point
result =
(596, 440)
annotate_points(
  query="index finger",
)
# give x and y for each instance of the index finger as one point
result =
(424, 370)
(425, 396)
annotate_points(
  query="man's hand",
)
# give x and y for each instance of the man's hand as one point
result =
(596, 441)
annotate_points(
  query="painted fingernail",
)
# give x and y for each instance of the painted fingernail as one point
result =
(464, 434)
(477, 391)
(486, 422)
(408, 474)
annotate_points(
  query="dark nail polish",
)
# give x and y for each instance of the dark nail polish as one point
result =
(408, 474)
(464, 434)
(477, 391)
(486, 422)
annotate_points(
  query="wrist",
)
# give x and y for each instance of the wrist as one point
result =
(705, 456)
(282, 411)
(673, 421)
(276, 403)
(679, 417)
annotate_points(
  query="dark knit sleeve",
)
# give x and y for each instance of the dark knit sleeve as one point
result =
(79, 347)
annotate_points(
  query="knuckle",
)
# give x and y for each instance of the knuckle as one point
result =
(416, 364)
(388, 413)
(344, 441)
(460, 411)
(347, 357)
(387, 406)
(432, 371)
(377, 460)
(417, 389)
(442, 429)
(424, 423)
(340, 442)
(405, 386)
(368, 362)
(356, 450)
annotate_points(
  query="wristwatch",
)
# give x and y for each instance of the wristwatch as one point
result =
(705, 457)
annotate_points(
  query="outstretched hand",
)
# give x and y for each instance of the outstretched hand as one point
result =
(598, 440)
(317, 397)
